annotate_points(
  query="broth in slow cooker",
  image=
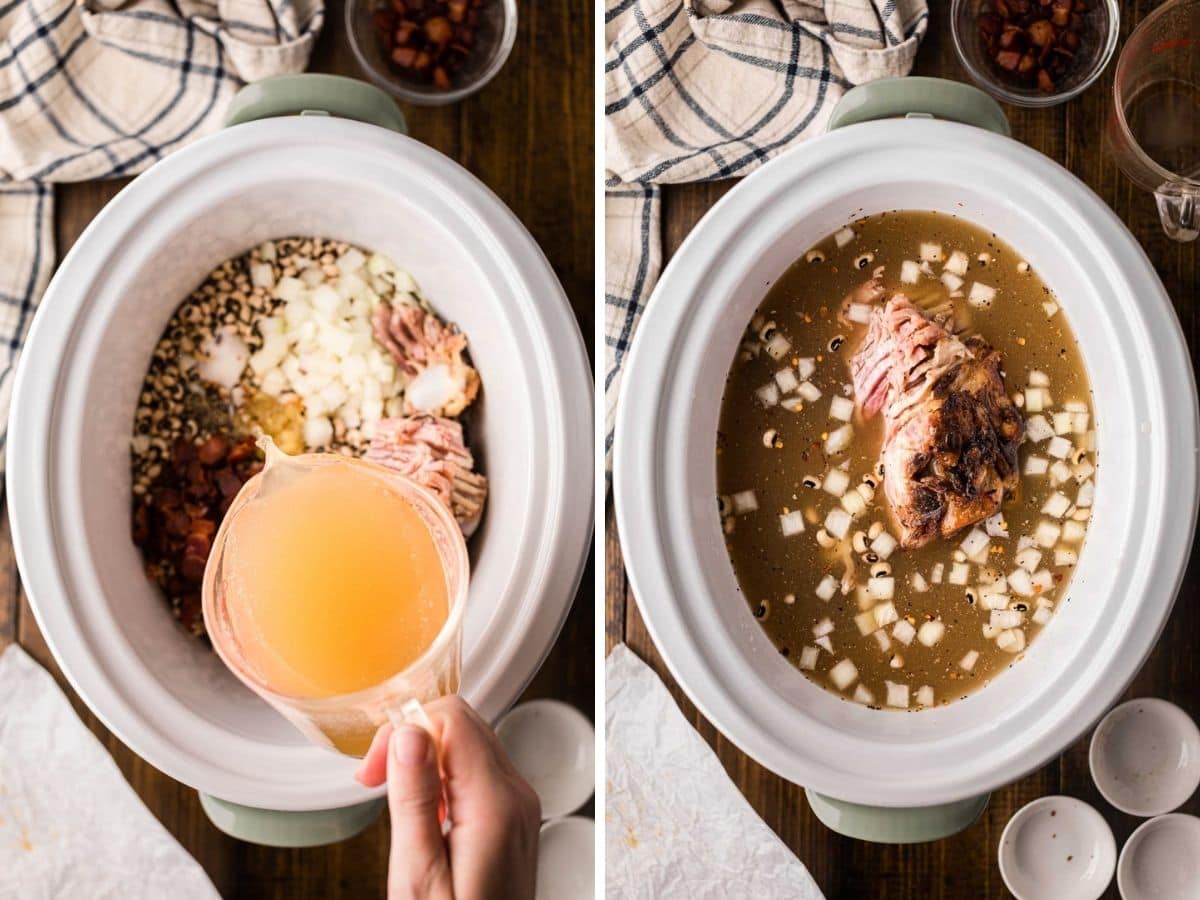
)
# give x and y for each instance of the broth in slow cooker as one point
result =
(903, 558)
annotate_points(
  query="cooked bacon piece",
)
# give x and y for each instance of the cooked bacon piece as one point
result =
(431, 452)
(430, 353)
(950, 430)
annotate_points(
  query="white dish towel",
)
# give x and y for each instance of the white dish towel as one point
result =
(675, 825)
(70, 825)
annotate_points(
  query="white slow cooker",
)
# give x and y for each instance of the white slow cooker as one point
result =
(163, 693)
(874, 774)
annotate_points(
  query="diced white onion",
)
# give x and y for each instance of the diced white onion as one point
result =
(897, 694)
(863, 696)
(744, 502)
(1012, 640)
(1083, 471)
(1028, 560)
(1043, 579)
(839, 439)
(925, 695)
(951, 281)
(1050, 308)
(835, 482)
(1064, 556)
(920, 585)
(910, 272)
(1061, 422)
(843, 236)
(1036, 465)
(1059, 472)
(809, 391)
(824, 643)
(930, 252)
(1042, 615)
(981, 294)
(1020, 582)
(824, 627)
(959, 572)
(937, 572)
(1087, 493)
(885, 613)
(768, 394)
(1035, 399)
(1006, 618)
(837, 522)
(1073, 531)
(1056, 505)
(844, 674)
(1047, 532)
(904, 632)
(853, 503)
(992, 599)
(1037, 429)
(859, 312)
(827, 587)
(996, 526)
(881, 588)
(882, 640)
(778, 346)
(806, 366)
(1058, 447)
(787, 380)
(969, 659)
(884, 545)
(957, 263)
(1038, 378)
(792, 523)
(931, 632)
(975, 545)
(841, 408)
(808, 658)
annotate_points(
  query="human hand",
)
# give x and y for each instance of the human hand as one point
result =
(491, 848)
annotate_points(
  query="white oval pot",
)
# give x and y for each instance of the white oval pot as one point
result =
(160, 691)
(665, 474)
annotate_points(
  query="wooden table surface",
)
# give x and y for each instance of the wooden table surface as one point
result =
(529, 136)
(962, 867)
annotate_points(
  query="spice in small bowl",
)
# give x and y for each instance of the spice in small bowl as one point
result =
(431, 51)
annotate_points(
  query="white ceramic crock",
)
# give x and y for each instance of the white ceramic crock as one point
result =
(875, 774)
(163, 693)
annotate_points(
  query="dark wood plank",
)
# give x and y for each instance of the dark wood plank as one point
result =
(529, 136)
(963, 866)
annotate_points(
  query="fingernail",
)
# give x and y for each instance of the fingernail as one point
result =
(410, 745)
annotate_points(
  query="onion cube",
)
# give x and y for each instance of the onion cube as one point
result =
(1020, 582)
(1064, 556)
(1042, 615)
(853, 503)
(937, 572)
(931, 632)
(884, 545)
(863, 696)
(925, 695)
(1012, 640)
(1056, 505)
(981, 294)
(1037, 429)
(1079, 422)
(843, 236)
(957, 263)
(787, 380)
(881, 588)
(1035, 400)
(1036, 465)
(930, 252)
(975, 545)
(882, 640)
(806, 366)
(824, 643)
(959, 572)
(1050, 308)
(808, 658)
(1059, 472)
(792, 523)
(768, 394)
(885, 614)
(1038, 378)
(951, 281)
(995, 526)
(841, 408)
(1061, 422)
(1073, 531)
(990, 631)
(859, 313)
(1028, 560)
(809, 392)
(919, 584)
(897, 695)
(827, 588)
(1043, 579)
(843, 674)
(910, 272)
(968, 661)
(1083, 471)
(1058, 447)
(744, 502)
(904, 632)
(824, 627)
(777, 347)
(1046, 534)
(993, 599)
(837, 522)
(1005, 618)
(1087, 493)
(838, 439)
(836, 481)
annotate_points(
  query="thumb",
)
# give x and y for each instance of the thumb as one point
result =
(418, 867)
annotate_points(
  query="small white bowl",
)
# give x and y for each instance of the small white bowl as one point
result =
(1145, 757)
(1057, 848)
(567, 859)
(553, 745)
(1161, 860)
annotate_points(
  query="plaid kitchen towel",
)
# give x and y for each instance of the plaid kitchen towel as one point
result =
(699, 90)
(102, 88)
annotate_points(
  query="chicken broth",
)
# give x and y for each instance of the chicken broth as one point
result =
(906, 460)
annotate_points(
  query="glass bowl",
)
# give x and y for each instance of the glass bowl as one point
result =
(495, 37)
(1098, 41)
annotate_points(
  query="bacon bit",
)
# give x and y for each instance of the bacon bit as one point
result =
(807, 319)
(1021, 341)
(820, 358)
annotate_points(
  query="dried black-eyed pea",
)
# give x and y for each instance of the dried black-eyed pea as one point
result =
(836, 342)
(810, 481)
(768, 331)
(814, 256)
(864, 260)
(859, 542)
(769, 437)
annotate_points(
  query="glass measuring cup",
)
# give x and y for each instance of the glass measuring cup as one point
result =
(1154, 125)
(347, 722)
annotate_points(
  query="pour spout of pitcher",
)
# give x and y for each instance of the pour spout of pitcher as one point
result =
(1179, 209)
